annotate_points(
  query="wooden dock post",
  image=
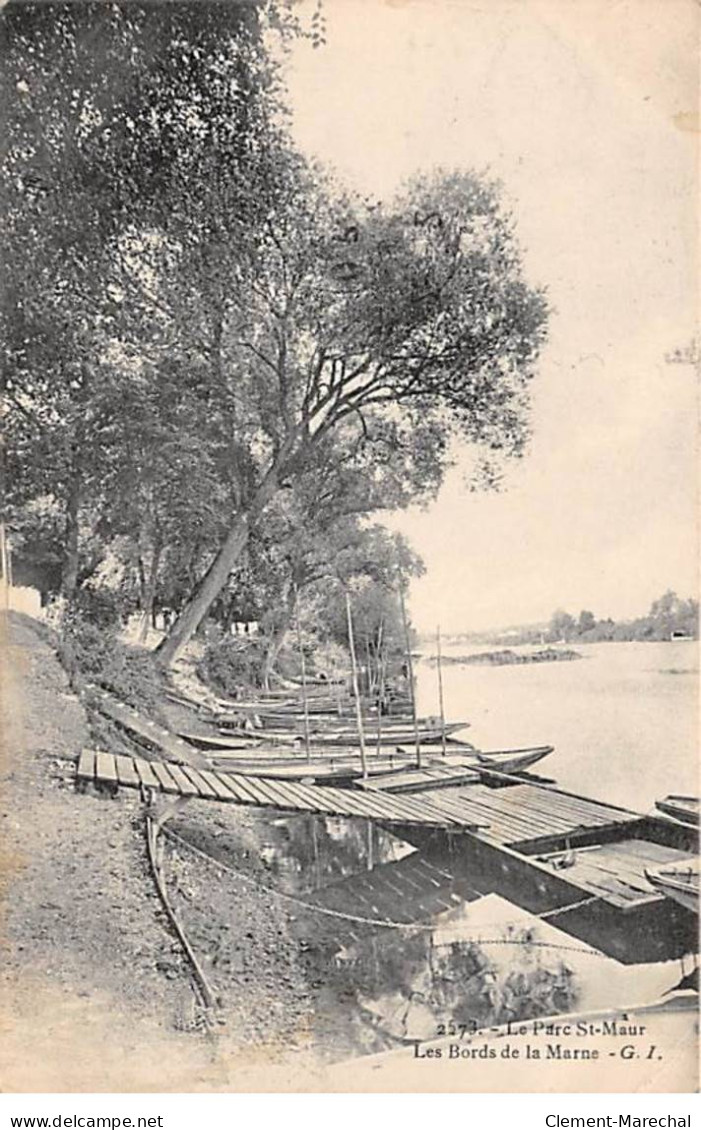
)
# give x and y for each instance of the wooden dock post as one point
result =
(410, 670)
(5, 567)
(440, 686)
(380, 683)
(305, 702)
(356, 691)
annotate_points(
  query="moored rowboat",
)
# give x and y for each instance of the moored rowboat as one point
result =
(679, 883)
(439, 772)
(684, 808)
(387, 735)
(500, 760)
(512, 760)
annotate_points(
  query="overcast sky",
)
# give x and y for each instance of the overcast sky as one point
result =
(585, 111)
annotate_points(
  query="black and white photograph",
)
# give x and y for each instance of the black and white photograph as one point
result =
(349, 607)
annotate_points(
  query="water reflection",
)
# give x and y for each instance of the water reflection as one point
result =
(303, 853)
(424, 972)
(397, 945)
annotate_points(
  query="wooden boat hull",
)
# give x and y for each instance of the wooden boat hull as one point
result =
(511, 761)
(330, 719)
(234, 740)
(651, 930)
(319, 771)
(679, 886)
(683, 808)
(443, 772)
(507, 761)
(390, 736)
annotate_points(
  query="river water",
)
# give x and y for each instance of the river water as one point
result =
(623, 719)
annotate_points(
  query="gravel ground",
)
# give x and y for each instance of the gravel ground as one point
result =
(96, 992)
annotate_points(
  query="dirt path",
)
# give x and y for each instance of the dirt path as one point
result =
(95, 991)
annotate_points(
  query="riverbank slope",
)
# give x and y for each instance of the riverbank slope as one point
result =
(95, 991)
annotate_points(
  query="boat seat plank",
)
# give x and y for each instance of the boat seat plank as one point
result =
(420, 781)
(646, 851)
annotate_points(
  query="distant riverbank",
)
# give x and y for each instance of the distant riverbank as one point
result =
(506, 657)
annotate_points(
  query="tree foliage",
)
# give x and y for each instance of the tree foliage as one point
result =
(407, 320)
(110, 113)
(218, 363)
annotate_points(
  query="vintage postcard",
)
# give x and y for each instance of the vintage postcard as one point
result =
(349, 627)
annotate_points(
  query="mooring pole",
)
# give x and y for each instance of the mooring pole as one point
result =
(440, 686)
(380, 684)
(410, 670)
(4, 568)
(356, 691)
(304, 694)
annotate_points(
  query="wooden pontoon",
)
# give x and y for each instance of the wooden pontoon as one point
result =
(581, 862)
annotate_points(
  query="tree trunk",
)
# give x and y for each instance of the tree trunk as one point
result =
(208, 589)
(206, 592)
(69, 572)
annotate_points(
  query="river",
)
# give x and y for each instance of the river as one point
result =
(623, 719)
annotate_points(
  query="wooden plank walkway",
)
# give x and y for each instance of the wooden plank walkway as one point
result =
(150, 732)
(516, 816)
(254, 791)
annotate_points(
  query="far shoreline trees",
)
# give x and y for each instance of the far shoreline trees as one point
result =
(669, 616)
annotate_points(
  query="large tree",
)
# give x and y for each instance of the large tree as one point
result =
(182, 283)
(413, 315)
